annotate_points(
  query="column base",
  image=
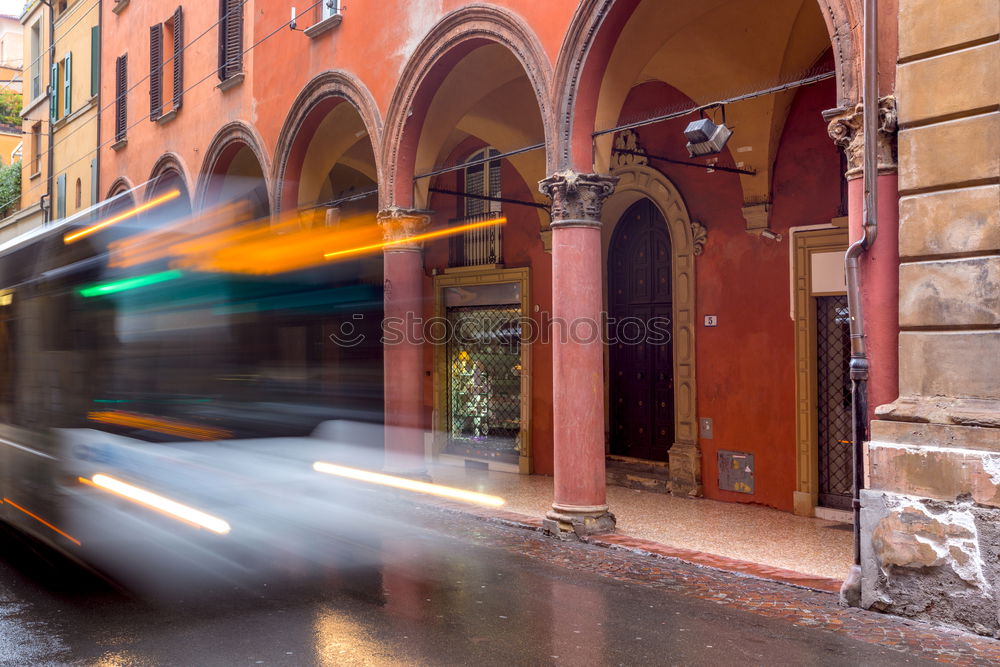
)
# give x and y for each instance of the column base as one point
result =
(573, 522)
(685, 469)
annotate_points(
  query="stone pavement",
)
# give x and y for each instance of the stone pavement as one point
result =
(801, 607)
(740, 537)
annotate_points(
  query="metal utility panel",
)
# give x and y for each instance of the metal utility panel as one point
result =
(736, 471)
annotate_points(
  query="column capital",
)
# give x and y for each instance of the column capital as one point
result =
(400, 224)
(577, 198)
(846, 130)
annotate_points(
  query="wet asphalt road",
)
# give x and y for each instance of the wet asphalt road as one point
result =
(440, 593)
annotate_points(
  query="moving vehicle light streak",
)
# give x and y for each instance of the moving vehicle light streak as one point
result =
(126, 284)
(408, 484)
(159, 425)
(159, 503)
(449, 231)
(41, 521)
(87, 231)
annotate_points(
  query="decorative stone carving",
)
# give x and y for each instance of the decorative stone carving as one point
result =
(400, 224)
(757, 216)
(846, 130)
(577, 198)
(628, 152)
(699, 235)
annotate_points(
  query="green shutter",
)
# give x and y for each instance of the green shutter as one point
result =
(95, 60)
(68, 84)
(54, 92)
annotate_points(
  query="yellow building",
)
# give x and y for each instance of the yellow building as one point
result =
(73, 106)
(34, 123)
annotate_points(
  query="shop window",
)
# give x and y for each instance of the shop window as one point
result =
(484, 371)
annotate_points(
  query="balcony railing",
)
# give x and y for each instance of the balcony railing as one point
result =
(476, 247)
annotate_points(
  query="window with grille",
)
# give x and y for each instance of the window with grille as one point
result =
(230, 38)
(121, 102)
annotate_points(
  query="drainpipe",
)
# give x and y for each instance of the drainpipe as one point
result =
(859, 355)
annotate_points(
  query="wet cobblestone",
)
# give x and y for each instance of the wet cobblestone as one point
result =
(799, 606)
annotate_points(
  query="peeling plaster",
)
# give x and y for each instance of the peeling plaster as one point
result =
(417, 18)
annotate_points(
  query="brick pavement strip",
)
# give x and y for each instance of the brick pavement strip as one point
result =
(743, 589)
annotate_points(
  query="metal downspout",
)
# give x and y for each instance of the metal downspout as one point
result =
(859, 354)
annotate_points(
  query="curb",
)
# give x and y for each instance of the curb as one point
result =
(641, 547)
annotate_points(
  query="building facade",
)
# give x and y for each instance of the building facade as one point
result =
(642, 304)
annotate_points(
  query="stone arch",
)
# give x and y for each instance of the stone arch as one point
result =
(687, 239)
(226, 141)
(118, 186)
(843, 21)
(167, 164)
(326, 85)
(468, 25)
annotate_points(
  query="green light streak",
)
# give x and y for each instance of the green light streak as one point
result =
(103, 289)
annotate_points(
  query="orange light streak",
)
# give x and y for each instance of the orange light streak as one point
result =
(419, 237)
(70, 238)
(159, 425)
(42, 521)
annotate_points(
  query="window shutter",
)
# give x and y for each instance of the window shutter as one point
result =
(61, 196)
(121, 110)
(95, 60)
(155, 71)
(232, 38)
(54, 92)
(93, 181)
(223, 19)
(68, 84)
(178, 58)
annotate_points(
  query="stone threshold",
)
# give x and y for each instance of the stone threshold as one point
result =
(649, 548)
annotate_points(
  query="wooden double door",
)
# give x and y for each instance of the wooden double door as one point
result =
(640, 299)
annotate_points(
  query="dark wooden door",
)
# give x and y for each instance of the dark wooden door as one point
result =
(642, 371)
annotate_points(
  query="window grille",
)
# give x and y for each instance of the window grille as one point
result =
(833, 347)
(483, 245)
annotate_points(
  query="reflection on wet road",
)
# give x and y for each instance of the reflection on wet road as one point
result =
(441, 593)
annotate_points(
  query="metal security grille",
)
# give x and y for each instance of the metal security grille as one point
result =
(833, 401)
(484, 393)
(476, 247)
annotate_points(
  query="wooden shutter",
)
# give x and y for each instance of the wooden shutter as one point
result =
(230, 38)
(178, 22)
(155, 71)
(121, 109)
(54, 92)
(68, 84)
(95, 60)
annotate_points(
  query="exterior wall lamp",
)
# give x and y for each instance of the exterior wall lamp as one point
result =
(705, 137)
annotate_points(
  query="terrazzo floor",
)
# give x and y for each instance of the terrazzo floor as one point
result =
(744, 532)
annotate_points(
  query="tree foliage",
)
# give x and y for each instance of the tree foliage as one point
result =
(10, 188)
(10, 108)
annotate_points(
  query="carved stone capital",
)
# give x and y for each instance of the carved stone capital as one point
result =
(846, 129)
(400, 224)
(577, 198)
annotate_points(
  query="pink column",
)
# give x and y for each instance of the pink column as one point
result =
(403, 355)
(580, 503)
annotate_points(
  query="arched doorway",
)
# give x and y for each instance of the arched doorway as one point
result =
(640, 290)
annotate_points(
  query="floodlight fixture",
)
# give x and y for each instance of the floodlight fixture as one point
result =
(705, 137)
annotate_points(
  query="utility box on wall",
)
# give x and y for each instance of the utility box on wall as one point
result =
(736, 471)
